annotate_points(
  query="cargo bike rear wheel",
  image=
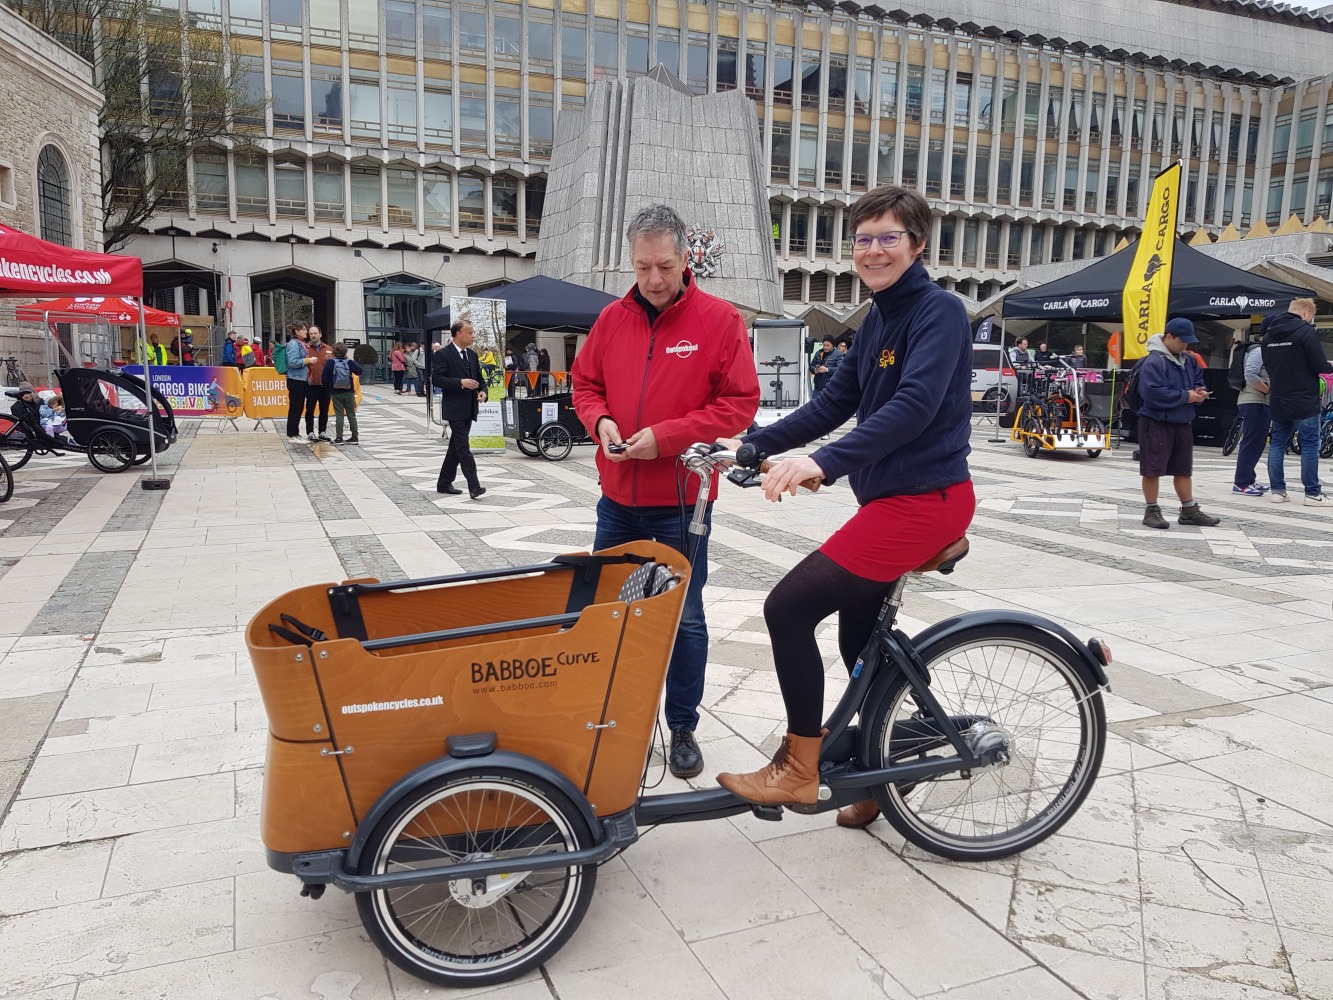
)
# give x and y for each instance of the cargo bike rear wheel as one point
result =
(474, 932)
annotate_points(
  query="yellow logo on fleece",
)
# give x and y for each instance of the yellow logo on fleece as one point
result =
(886, 358)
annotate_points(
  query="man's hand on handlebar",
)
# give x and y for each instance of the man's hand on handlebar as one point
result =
(785, 476)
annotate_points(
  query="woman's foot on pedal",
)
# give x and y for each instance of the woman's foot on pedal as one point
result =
(792, 777)
(859, 816)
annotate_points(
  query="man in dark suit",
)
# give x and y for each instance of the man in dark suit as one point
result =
(456, 371)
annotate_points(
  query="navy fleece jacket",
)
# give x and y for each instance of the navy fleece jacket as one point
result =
(908, 379)
(1165, 381)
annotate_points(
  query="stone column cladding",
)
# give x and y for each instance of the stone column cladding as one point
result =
(649, 140)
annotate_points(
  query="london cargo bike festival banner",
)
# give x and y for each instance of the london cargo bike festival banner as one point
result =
(199, 391)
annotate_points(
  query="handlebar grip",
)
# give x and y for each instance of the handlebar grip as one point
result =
(810, 484)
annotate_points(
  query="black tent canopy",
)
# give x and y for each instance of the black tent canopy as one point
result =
(539, 303)
(1202, 287)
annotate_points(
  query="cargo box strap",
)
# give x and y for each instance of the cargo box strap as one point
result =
(587, 573)
(346, 609)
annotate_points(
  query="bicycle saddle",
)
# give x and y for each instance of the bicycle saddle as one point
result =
(947, 558)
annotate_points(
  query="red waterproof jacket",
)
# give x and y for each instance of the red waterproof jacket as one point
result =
(690, 377)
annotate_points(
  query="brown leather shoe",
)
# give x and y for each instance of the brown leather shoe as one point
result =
(859, 816)
(792, 776)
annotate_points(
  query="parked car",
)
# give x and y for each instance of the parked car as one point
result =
(991, 379)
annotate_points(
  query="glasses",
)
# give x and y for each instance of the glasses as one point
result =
(889, 240)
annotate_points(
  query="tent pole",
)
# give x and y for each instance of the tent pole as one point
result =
(999, 389)
(153, 482)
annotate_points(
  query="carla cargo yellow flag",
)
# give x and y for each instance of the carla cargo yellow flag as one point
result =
(1148, 286)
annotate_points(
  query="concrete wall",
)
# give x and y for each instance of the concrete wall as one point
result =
(642, 141)
(47, 98)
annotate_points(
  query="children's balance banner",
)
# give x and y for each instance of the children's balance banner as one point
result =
(266, 392)
(196, 391)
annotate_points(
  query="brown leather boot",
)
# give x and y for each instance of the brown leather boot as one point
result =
(791, 777)
(859, 816)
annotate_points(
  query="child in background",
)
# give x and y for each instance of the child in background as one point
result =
(53, 418)
(339, 375)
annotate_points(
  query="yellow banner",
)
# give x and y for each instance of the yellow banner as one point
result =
(1144, 300)
(265, 393)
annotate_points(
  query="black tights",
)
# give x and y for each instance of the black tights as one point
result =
(813, 590)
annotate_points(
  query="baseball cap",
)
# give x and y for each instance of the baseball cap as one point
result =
(24, 387)
(1182, 328)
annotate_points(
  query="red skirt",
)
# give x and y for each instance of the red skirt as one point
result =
(894, 535)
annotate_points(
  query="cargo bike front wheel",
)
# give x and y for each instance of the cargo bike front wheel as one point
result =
(476, 931)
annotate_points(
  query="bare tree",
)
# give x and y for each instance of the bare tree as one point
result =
(171, 86)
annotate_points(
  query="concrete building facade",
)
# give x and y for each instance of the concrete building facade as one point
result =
(423, 130)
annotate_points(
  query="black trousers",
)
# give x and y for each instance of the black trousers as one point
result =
(296, 393)
(317, 395)
(458, 455)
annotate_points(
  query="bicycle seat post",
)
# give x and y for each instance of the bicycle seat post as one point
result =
(889, 613)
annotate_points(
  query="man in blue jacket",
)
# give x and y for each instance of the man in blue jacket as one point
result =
(1171, 386)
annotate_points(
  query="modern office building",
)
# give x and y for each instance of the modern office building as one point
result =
(405, 149)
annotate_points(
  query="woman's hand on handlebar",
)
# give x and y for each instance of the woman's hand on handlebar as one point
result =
(785, 476)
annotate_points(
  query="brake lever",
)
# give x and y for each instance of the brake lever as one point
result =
(743, 477)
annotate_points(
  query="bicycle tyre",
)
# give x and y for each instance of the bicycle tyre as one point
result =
(17, 443)
(6, 480)
(527, 447)
(111, 450)
(487, 811)
(1326, 441)
(975, 666)
(1233, 437)
(1031, 427)
(554, 441)
(1093, 425)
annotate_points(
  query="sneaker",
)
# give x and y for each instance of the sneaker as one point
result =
(353, 440)
(685, 758)
(1318, 500)
(324, 437)
(311, 437)
(1276, 497)
(1152, 517)
(293, 437)
(1253, 490)
(1195, 515)
(337, 440)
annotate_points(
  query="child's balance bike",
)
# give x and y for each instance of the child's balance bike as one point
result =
(462, 752)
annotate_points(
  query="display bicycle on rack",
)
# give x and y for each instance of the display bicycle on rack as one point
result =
(1052, 413)
(465, 773)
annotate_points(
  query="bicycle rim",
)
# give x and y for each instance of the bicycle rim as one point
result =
(1025, 686)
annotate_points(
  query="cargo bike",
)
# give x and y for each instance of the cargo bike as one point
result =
(543, 425)
(465, 771)
(1053, 414)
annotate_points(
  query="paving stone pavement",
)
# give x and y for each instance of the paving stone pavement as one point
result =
(132, 739)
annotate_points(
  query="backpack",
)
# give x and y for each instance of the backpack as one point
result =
(1236, 370)
(342, 373)
(1133, 398)
(279, 358)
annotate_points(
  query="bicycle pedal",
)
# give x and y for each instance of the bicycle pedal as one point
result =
(772, 814)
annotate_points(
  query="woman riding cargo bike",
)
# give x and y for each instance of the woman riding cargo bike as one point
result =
(468, 778)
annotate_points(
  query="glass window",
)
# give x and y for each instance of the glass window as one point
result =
(328, 189)
(289, 186)
(508, 121)
(534, 201)
(696, 62)
(1004, 179)
(210, 182)
(726, 64)
(636, 53)
(472, 117)
(250, 87)
(504, 206)
(365, 194)
(962, 98)
(1009, 108)
(833, 140)
(985, 101)
(400, 27)
(860, 172)
(911, 162)
(1300, 188)
(541, 39)
(365, 93)
(799, 241)
(54, 197)
(1281, 138)
(915, 90)
(935, 168)
(541, 132)
(251, 184)
(810, 78)
(1305, 132)
(948, 238)
(823, 232)
(1323, 192)
(1274, 213)
(754, 71)
(246, 17)
(809, 158)
(472, 33)
(288, 96)
(980, 173)
(884, 160)
(284, 19)
(363, 24)
(471, 203)
(939, 82)
(438, 108)
(573, 49)
(401, 104)
(780, 155)
(782, 75)
(438, 191)
(402, 198)
(326, 97)
(837, 82)
(668, 48)
(325, 20)
(958, 171)
(606, 47)
(508, 35)
(1131, 195)
(861, 87)
(164, 89)
(436, 29)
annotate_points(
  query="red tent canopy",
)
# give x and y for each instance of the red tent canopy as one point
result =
(29, 266)
(121, 311)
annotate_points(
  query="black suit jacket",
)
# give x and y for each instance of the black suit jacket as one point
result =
(448, 372)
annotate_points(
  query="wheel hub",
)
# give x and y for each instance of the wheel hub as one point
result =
(986, 739)
(480, 893)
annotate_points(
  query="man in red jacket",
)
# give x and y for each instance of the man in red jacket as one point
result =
(664, 367)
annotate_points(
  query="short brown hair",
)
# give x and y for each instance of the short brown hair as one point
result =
(911, 209)
(340, 350)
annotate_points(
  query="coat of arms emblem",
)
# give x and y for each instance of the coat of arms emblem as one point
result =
(705, 251)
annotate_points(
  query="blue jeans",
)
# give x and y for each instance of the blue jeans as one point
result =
(618, 524)
(1308, 429)
(1254, 432)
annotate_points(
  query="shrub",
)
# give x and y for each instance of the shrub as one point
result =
(364, 354)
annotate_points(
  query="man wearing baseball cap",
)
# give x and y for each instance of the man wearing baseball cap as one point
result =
(1170, 385)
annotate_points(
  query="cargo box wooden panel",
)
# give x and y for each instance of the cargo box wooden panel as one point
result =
(581, 696)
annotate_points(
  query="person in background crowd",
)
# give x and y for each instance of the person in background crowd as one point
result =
(487, 359)
(416, 357)
(411, 372)
(511, 371)
(1078, 359)
(27, 409)
(317, 395)
(543, 366)
(54, 421)
(398, 365)
(1295, 360)
(343, 392)
(246, 353)
(1252, 403)
(157, 353)
(1171, 386)
(182, 347)
(644, 413)
(258, 347)
(824, 364)
(1045, 356)
(231, 357)
(298, 376)
(1019, 356)
(458, 374)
